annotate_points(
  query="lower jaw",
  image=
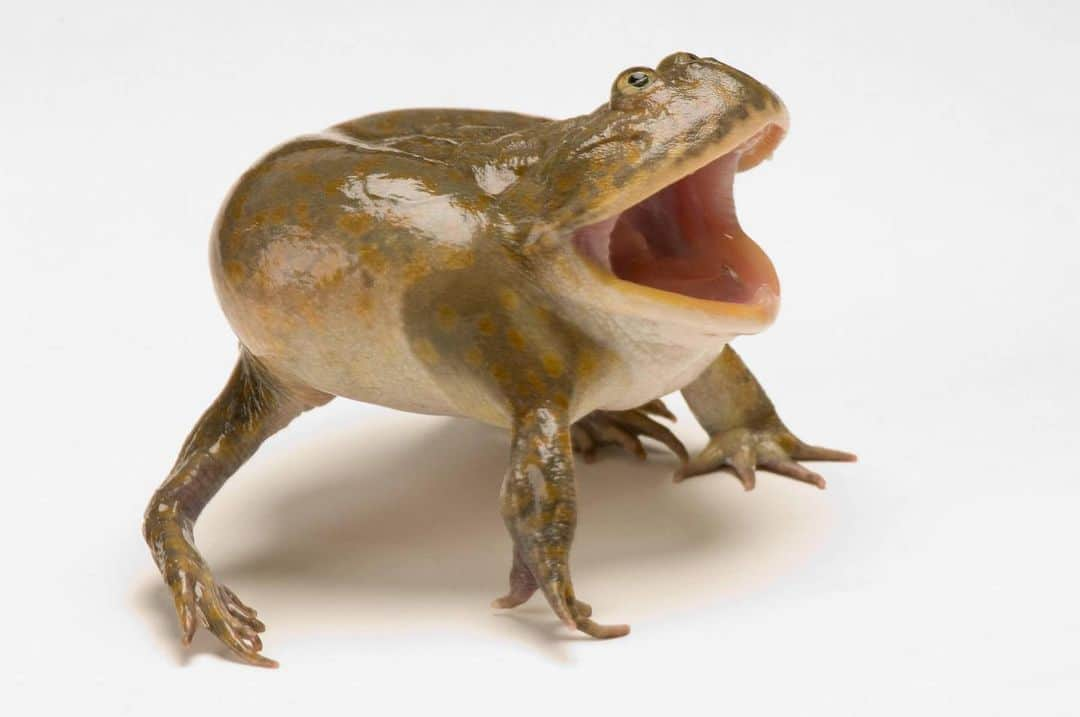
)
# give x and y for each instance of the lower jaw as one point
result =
(679, 311)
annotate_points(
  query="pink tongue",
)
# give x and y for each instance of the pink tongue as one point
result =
(686, 239)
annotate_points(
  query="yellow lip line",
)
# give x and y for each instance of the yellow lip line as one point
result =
(758, 313)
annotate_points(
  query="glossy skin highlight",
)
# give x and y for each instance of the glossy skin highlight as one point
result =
(423, 260)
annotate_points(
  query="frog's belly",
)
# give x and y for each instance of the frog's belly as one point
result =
(375, 362)
(392, 379)
(385, 370)
(644, 374)
(339, 342)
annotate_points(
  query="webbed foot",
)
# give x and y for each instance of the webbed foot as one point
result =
(522, 587)
(774, 449)
(198, 597)
(559, 591)
(625, 429)
(575, 613)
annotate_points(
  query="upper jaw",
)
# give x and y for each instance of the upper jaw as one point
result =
(681, 245)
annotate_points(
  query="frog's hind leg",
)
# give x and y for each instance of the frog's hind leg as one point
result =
(624, 429)
(253, 406)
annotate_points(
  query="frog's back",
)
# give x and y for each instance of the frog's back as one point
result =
(437, 124)
(317, 244)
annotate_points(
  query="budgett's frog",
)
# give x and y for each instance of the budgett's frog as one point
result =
(552, 277)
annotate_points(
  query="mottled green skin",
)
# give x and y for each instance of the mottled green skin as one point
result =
(419, 259)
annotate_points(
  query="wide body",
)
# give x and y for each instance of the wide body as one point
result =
(375, 261)
(550, 276)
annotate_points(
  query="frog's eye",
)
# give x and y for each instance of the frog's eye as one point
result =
(635, 80)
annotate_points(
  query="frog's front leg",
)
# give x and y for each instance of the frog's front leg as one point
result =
(745, 431)
(253, 406)
(539, 506)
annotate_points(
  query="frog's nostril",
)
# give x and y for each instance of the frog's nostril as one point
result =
(677, 58)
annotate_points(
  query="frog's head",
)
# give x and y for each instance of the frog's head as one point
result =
(639, 193)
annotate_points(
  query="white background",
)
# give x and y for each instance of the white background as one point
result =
(923, 215)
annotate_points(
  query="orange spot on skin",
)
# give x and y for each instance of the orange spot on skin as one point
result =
(354, 222)
(586, 364)
(234, 211)
(305, 177)
(473, 357)
(372, 258)
(544, 316)
(312, 314)
(499, 373)
(363, 304)
(426, 351)
(553, 365)
(446, 317)
(459, 259)
(509, 299)
(302, 210)
(418, 269)
(535, 381)
(566, 183)
(234, 271)
(515, 338)
(485, 325)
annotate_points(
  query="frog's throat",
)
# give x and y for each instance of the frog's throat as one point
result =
(683, 244)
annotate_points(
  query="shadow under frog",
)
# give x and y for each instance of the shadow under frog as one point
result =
(412, 534)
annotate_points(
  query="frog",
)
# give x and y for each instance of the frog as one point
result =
(553, 278)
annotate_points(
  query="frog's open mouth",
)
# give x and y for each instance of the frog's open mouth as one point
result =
(685, 238)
